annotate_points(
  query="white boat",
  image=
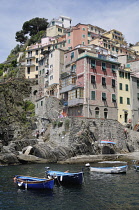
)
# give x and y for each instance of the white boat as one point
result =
(110, 170)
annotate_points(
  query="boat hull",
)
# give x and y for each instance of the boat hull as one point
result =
(66, 178)
(34, 183)
(110, 170)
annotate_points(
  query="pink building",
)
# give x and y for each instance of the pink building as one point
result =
(90, 86)
(81, 34)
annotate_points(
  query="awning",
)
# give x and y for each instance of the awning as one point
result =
(107, 142)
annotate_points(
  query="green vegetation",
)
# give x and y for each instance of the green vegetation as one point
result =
(28, 106)
(31, 28)
(67, 122)
(54, 124)
(59, 124)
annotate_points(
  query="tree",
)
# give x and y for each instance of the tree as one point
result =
(36, 38)
(20, 37)
(31, 28)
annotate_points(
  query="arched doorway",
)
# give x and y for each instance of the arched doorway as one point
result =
(105, 113)
(96, 112)
(107, 150)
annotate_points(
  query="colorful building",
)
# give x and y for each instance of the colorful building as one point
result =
(124, 96)
(92, 88)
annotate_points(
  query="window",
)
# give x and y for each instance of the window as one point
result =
(28, 70)
(113, 68)
(137, 83)
(113, 98)
(68, 33)
(104, 66)
(36, 68)
(83, 35)
(93, 95)
(126, 87)
(89, 34)
(120, 86)
(93, 79)
(93, 64)
(113, 83)
(36, 60)
(72, 55)
(103, 81)
(121, 100)
(41, 103)
(103, 96)
(105, 113)
(121, 74)
(112, 48)
(138, 96)
(51, 77)
(83, 29)
(73, 68)
(128, 101)
(59, 29)
(96, 112)
(81, 93)
(36, 52)
(68, 41)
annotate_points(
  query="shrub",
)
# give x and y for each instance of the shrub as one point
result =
(67, 125)
(54, 124)
(59, 124)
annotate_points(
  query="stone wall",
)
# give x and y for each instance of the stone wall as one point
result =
(92, 131)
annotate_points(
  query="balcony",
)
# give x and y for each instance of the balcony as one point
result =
(67, 88)
(30, 64)
(91, 54)
(75, 101)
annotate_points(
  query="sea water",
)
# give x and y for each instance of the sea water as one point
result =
(98, 192)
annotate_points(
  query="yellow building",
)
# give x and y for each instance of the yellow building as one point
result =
(116, 36)
(136, 48)
(124, 96)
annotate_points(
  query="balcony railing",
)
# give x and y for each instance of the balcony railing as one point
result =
(88, 53)
(67, 88)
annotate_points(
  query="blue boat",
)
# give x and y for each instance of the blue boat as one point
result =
(28, 182)
(65, 178)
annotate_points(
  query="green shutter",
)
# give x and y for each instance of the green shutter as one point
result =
(113, 83)
(113, 97)
(128, 101)
(126, 87)
(103, 66)
(103, 96)
(121, 100)
(93, 64)
(93, 95)
(120, 86)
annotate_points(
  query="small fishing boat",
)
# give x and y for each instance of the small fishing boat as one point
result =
(136, 167)
(110, 170)
(28, 182)
(115, 169)
(65, 178)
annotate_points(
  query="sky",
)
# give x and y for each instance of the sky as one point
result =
(122, 15)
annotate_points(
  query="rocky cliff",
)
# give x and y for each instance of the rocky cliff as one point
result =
(63, 138)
